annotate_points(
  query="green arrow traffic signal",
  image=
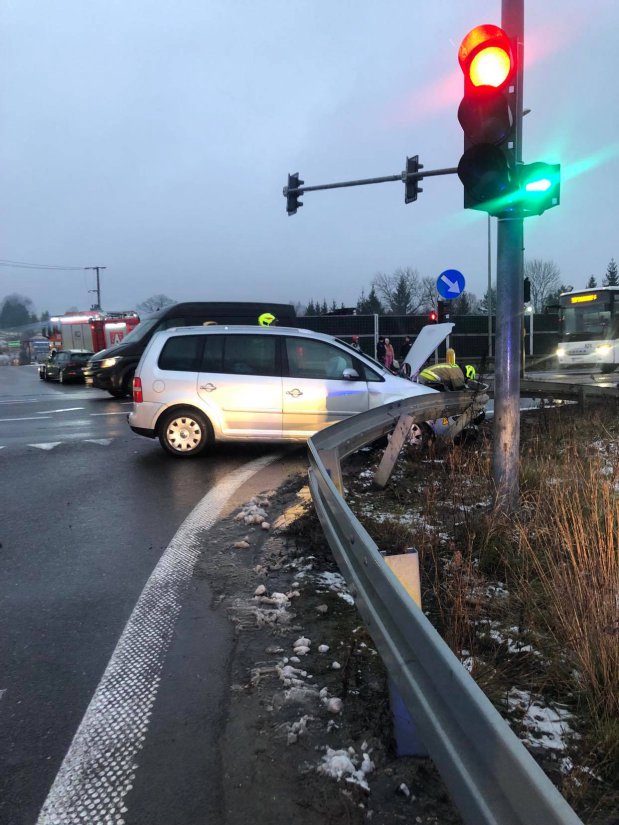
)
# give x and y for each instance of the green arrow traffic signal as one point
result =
(540, 187)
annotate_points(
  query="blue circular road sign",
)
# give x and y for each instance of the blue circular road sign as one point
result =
(450, 284)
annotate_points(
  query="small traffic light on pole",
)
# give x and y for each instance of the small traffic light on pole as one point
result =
(527, 290)
(433, 316)
(292, 194)
(487, 168)
(442, 311)
(411, 185)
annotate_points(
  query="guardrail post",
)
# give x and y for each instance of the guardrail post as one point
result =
(392, 451)
(408, 743)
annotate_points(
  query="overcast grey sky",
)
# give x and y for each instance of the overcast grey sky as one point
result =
(154, 138)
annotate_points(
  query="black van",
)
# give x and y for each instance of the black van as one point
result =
(112, 369)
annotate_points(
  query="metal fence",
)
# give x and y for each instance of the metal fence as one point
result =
(469, 337)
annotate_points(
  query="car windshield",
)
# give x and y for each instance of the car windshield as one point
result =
(140, 331)
(81, 356)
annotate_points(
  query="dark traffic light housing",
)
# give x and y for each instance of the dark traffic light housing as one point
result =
(433, 316)
(411, 185)
(442, 311)
(487, 167)
(292, 195)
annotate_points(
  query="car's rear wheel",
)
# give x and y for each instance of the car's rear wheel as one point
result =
(184, 433)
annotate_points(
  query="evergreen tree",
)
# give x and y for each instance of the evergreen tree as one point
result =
(483, 304)
(370, 305)
(16, 311)
(324, 308)
(592, 283)
(310, 309)
(612, 277)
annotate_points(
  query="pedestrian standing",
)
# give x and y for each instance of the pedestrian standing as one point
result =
(355, 342)
(406, 346)
(389, 354)
(380, 349)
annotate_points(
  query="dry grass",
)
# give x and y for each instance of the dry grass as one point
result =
(556, 565)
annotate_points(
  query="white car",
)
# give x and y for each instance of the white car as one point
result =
(196, 385)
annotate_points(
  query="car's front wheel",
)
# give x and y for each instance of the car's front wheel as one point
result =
(419, 436)
(184, 433)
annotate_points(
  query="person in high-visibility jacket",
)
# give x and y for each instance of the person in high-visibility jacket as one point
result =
(267, 319)
(439, 376)
(447, 376)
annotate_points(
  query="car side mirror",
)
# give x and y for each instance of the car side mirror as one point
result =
(350, 374)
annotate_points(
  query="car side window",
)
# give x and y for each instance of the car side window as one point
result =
(212, 356)
(181, 354)
(367, 372)
(250, 355)
(316, 359)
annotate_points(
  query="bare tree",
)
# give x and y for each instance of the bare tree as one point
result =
(155, 302)
(544, 278)
(429, 295)
(400, 291)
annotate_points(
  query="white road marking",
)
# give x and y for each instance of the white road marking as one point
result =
(66, 409)
(34, 418)
(110, 413)
(48, 446)
(104, 441)
(99, 769)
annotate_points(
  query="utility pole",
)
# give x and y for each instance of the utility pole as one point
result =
(98, 289)
(510, 241)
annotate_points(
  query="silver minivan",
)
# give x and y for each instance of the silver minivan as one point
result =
(197, 385)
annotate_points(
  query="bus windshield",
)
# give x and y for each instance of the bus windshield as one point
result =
(588, 320)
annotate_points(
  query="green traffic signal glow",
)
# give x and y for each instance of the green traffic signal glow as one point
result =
(542, 185)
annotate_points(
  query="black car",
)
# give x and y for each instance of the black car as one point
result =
(65, 365)
(112, 369)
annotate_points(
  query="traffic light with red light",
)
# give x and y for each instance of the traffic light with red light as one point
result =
(487, 115)
(433, 317)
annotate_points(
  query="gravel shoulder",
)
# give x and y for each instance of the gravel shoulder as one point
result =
(309, 733)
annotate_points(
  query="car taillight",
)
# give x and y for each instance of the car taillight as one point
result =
(137, 390)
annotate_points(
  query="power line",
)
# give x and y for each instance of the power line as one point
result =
(26, 265)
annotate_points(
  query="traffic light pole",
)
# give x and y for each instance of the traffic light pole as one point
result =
(403, 176)
(509, 311)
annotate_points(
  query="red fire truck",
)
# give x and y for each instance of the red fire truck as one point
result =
(92, 330)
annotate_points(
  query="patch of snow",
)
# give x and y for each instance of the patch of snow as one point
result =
(542, 725)
(342, 764)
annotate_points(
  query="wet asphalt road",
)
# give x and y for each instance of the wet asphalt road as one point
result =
(87, 508)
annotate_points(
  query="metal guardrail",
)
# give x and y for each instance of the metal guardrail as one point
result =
(535, 388)
(491, 776)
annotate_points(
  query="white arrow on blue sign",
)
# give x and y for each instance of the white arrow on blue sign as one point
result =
(450, 284)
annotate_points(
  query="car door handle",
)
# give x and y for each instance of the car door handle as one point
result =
(295, 393)
(208, 387)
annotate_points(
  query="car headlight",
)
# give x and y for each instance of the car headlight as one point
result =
(603, 349)
(560, 351)
(109, 362)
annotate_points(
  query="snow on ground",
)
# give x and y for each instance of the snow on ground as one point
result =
(542, 726)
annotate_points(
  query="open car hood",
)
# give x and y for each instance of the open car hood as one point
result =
(430, 337)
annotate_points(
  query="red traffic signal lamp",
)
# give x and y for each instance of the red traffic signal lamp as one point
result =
(488, 119)
(433, 316)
